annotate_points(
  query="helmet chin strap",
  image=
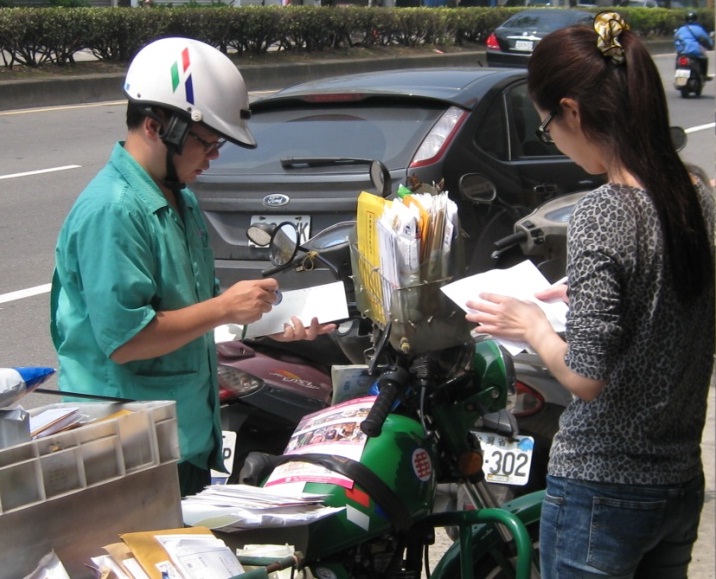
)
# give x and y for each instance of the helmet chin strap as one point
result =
(172, 179)
(173, 138)
(173, 133)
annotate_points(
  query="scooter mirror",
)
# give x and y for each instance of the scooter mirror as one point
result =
(477, 189)
(284, 244)
(380, 178)
(259, 235)
(678, 137)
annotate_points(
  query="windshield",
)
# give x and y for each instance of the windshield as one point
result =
(388, 133)
(545, 22)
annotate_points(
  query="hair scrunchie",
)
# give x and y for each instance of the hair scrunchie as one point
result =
(609, 25)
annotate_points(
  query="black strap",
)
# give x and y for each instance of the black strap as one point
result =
(380, 492)
(696, 38)
(172, 179)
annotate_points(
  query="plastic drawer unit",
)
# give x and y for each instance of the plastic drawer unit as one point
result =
(78, 490)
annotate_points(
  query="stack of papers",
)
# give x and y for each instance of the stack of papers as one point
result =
(408, 240)
(231, 508)
(55, 420)
(521, 281)
(169, 554)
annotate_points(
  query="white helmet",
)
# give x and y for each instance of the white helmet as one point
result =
(195, 80)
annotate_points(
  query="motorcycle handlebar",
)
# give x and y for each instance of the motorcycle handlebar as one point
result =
(506, 243)
(510, 240)
(390, 384)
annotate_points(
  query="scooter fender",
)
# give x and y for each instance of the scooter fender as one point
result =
(485, 536)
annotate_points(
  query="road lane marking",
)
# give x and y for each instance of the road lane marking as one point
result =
(700, 128)
(40, 171)
(26, 293)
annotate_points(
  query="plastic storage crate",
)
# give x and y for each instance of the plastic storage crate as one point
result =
(78, 490)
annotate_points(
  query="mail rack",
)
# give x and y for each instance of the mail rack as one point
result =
(422, 318)
(75, 491)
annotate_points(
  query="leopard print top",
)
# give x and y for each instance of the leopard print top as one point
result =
(625, 326)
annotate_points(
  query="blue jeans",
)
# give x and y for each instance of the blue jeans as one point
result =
(603, 530)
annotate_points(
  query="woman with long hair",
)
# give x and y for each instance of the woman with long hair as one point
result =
(625, 486)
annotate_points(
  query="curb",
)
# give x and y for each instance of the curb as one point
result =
(67, 90)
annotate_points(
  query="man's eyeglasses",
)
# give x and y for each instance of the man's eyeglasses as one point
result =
(209, 148)
(542, 131)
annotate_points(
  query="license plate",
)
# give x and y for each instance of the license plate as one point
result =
(302, 223)
(524, 45)
(228, 450)
(506, 460)
(682, 77)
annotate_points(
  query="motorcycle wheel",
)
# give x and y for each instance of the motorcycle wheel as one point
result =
(693, 86)
(488, 568)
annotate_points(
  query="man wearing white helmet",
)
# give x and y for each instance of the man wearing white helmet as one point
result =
(134, 297)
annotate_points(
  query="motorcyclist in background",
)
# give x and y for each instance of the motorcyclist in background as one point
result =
(692, 40)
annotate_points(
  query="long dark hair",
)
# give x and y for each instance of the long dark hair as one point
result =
(623, 107)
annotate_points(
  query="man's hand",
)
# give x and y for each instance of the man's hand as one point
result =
(246, 301)
(297, 331)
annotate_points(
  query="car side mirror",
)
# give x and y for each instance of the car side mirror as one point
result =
(477, 189)
(380, 178)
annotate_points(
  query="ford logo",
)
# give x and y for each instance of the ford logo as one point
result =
(276, 200)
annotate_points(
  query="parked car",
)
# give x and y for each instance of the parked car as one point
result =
(316, 140)
(512, 43)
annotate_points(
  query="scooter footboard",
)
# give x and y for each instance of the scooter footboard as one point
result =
(477, 541)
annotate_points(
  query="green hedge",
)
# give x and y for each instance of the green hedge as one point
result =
(34, 36)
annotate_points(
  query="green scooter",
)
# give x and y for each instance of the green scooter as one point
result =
(436, 383)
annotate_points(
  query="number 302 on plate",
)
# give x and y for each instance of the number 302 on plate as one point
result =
(506, 460)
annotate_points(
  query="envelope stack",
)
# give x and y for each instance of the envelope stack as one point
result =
(407, 248)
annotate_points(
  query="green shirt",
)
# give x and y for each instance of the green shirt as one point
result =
(122, 255)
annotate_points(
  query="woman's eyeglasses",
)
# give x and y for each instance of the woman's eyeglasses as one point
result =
(542, 131)
(209, 148)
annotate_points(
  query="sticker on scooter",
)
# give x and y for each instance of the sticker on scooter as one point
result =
(422, 466)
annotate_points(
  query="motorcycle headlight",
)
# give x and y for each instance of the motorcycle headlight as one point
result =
(495, 369)
(238, 382)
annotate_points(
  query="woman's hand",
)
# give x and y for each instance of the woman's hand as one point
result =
(510, 318)
(555, 293)
(506, 317)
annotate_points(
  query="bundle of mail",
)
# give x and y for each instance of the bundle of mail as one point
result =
(232, 508)
(405, 250)
(183, 553)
